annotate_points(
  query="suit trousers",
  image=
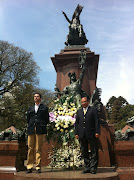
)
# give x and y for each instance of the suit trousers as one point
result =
(35, 142)
(90, 162)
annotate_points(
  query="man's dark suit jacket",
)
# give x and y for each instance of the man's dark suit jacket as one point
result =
(87, 124)
(38, 120)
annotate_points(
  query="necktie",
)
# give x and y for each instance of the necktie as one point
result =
(85, 111)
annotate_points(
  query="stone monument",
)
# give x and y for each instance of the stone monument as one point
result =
(77, 64)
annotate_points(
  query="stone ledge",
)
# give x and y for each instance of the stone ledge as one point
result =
(103, 174)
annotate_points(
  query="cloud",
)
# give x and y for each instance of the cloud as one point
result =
(116, 79)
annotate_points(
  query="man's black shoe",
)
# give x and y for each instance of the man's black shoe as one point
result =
(38, 171)
(86, 170)
(29, 171)
(93, 172)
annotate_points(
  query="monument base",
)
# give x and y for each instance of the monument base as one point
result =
(106, 146)
(124, 153)
(125, 173)
(12, 155)
(102, 174)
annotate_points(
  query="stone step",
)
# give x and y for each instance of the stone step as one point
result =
(47, 174)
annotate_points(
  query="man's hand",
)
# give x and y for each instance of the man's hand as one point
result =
(97, 135)
(76, 136)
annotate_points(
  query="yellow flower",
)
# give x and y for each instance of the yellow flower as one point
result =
(66, 131)
(61, 130)
(65, 126)
(71, 114)
(61, 125)
(72, 122)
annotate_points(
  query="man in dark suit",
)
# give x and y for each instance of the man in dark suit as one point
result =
(87, 130)
(37, 119)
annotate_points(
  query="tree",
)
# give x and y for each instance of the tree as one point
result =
(115, 110)
(127, 112)
(16, 67)
(116, 115)
(122, 116)
(113, 106)
(15, 105)
(109, 107)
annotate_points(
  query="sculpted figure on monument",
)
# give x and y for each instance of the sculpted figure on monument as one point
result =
(57, 91)
(95, 100)
(74, 89)
(76, 34)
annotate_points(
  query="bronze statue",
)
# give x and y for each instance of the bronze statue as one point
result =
(76, 34)
(74, 89)
(57, 91)
(95, 100)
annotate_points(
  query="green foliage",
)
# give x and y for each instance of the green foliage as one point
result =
(115, 115)
(66, 157)
(118, 111)
(114, 104)
(15, 105)
(127, 111)
(109, 106)
(120, 125)
(18, 81)
(16, 67)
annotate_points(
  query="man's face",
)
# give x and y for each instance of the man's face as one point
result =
(84, 102)
(37, 98)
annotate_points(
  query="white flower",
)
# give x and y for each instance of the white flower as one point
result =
(56, 125)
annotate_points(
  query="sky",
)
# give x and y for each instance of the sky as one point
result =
(38, 26)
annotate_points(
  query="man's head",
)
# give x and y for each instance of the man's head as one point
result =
(84, 102)
(37, 98)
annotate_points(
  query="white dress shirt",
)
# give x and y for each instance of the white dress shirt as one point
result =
(36, 107)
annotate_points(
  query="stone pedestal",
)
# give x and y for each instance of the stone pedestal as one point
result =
(67, 62)
(46, 149)
(124, 153)
(106, 146)
(8, 151)
(12, 156)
